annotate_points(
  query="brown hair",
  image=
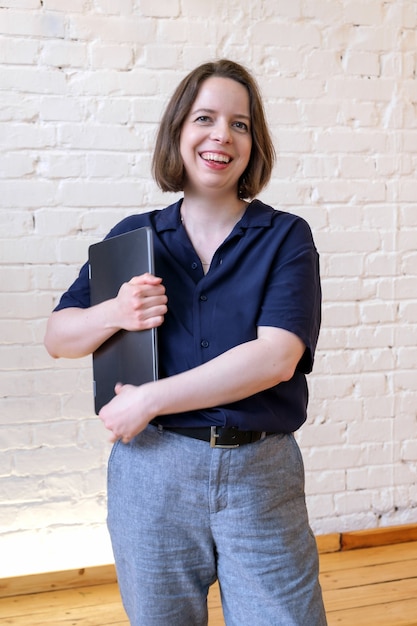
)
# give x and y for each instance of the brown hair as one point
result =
(167, 165)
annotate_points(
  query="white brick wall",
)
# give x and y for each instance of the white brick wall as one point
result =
(82, 87)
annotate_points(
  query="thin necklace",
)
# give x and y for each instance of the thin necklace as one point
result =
(203, 263)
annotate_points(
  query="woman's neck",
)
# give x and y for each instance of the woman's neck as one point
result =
(208, 225)
(210, 214)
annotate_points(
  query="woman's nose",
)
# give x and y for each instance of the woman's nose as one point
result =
(221, 132)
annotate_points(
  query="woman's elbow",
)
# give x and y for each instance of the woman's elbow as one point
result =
(51, 338)
(289, 364)
(50, 346)
(284, 373)
(287, 374)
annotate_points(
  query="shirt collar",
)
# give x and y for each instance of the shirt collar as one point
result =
(257, 215)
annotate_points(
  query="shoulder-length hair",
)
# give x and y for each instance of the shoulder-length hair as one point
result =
(167, 164)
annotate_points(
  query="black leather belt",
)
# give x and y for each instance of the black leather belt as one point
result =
(217, 436)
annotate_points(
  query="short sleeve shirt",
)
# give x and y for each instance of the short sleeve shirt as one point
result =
(265, 273)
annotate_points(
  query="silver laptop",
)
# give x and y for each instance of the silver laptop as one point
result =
(128, 357)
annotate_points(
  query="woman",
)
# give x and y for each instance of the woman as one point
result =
(206, 480)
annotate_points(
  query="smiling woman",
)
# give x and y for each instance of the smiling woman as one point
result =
(205, 479)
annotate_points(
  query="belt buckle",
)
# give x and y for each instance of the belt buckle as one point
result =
(214, 435)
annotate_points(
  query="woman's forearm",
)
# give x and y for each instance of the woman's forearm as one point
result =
(238, 373)
(74, 332)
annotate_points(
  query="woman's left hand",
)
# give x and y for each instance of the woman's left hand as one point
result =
(124, 416)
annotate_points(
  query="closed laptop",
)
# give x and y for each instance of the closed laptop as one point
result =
(128, 357)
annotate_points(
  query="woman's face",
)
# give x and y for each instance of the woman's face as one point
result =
(216, 139)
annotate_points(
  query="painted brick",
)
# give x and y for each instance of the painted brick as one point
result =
(359, 114)
(162, 57)
(293, 88)
(370, 14)
(319, 61)
(16, 106)
(105, 165)
(101, 193)
(14, 279)
(163, 8)
(288, 34)
(371, 89)
(195, 54)
(113, 7)
(33, 24)
(273, 8)
(17, 165)
(58, 165)
(331, 481)
(26, 136)
(328, 12)
(20, 4)
(114, 110)
(18, 51)
(30, 250)
(147, 110)
(320, 114)
(77, 6)
(354, 502)
(408, 216)
(117, 56)
(100, 137)
(170, 31)
(119, 29)
(321, 458)
(64, 54)
(13, 332)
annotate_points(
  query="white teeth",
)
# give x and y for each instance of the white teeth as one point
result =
(213, 156)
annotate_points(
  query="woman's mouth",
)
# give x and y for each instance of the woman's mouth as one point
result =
(215, 157)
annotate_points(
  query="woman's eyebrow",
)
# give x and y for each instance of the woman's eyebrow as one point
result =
(211, 111)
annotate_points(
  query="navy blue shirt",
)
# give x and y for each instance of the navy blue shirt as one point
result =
(266, 273)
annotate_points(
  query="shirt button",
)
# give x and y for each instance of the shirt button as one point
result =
(194, 265)
(203, 298)
(204, 343)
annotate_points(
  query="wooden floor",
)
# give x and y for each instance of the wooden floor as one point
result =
(368, 579)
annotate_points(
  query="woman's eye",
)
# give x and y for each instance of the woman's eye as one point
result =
(241, 126)
(203, 118)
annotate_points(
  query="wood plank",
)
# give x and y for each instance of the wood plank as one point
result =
(72, 615)
(369, 575)
(368, 556)
(14, 606)
(44, 608)
(387, 614)
(369, 595)
(57, 580)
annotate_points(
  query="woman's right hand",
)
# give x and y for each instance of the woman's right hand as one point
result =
(141, 303)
